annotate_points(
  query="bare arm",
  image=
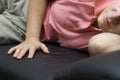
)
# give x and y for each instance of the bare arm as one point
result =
(36, 11)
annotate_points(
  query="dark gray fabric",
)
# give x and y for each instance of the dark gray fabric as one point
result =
(42, 67)
(103, 67)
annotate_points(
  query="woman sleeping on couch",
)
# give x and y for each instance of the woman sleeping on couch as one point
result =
(72, 24)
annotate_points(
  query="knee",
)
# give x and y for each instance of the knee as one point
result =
(96, 45)
(104, 43)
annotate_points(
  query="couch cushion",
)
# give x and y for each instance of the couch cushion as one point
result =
(102, 67)
(42, 67)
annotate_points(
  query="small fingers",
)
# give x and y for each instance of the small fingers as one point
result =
(45, 49)
(31, 53)
(11, 50)
(16, 53)
(20, 54)
(20, 50)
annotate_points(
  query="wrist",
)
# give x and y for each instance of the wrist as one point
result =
(32, 37)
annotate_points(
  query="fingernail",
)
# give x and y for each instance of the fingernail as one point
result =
(30, 57)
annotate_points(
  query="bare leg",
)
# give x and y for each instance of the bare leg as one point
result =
(104, 43)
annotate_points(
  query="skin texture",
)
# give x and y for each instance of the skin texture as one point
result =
(34, 23)
(110, 17)
(109, 40)
(104, 43)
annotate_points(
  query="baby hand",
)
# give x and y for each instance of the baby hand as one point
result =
(30, 45)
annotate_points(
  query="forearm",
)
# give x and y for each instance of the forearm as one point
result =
(36, 11)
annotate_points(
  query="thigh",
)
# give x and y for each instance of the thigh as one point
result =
(9, 33)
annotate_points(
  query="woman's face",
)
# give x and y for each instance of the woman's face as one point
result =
(109, 19)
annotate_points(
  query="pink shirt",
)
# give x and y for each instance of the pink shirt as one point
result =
(68, 22)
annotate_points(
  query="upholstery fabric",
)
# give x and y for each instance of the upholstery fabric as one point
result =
(42, 67)
(103, 67)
